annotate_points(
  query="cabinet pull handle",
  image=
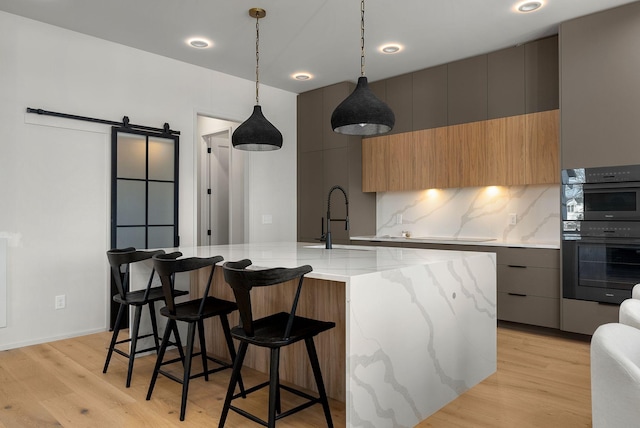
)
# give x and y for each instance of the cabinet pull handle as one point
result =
(517, 266)
(517, 294)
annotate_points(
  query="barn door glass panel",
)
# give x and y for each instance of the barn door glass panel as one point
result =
(144, 190)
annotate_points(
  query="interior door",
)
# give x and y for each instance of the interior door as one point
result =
(144, 191)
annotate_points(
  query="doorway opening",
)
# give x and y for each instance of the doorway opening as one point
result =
(221, 218)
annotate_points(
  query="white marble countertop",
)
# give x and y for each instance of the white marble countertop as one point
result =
(489, 242)
(338, 264)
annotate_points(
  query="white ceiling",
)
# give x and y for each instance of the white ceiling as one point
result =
(321, 37)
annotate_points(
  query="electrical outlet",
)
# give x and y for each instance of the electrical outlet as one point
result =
(61, 301)
(398, 218)
(267, 219)
(513, 219)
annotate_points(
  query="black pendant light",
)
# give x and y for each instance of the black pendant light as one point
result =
(362, 113)
(257, 133)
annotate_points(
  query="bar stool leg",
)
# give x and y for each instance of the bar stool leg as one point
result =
(176, 335)
(187, 369)
(203, 350)
(134, 342)
(114, 337)
(237, 366)
(171, 325)
(154, 325)
(232, 350)
(273, 386)
(315, 365)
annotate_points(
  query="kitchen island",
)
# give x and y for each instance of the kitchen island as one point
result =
(414, 328)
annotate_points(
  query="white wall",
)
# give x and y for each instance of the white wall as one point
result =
(55, 172)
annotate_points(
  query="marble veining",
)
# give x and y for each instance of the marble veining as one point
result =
(420, 325)
(473, 212)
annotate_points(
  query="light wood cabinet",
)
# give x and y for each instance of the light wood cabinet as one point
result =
(467, 154)
(542, 147)
(402, 161)
(375, 168)
(505, 137)
(509, 151)
(431, 163)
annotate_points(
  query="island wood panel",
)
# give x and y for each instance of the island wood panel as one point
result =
(506, 157)
(402, 161)
(431, 162)
(319, 299)
(375, 172)
(467, 154)
(542, 147)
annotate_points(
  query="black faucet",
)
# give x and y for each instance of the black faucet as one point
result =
(328, 244)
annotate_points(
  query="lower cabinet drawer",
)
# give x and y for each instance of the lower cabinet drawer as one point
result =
(534, 310)
(532, 281)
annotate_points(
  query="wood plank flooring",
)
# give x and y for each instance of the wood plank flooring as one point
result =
(542, 381)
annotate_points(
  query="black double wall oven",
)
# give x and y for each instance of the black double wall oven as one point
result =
(600, 210)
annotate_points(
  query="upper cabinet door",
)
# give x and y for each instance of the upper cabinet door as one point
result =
(542, 147)
(505, 142)
(506, 86)
(430, 98)
(400, 100)
(375, 164)
(467, 90)
(310, 124)
(542, 77)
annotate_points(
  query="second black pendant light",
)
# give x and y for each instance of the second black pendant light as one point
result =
(362, 113)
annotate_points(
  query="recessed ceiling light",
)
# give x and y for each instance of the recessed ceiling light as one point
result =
(199, 43)
(529, 6)
(302, 76)
(390, 48)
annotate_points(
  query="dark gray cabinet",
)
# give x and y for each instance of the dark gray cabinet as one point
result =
(399, 95)
(505, 82)
(309, 112)
(542, 77)
(600, 65)
(581, 316)
(430, 98)
(326, 159)
(529, 286)
(310, 195)
(467, 90)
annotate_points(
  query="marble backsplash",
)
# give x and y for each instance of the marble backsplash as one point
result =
(473, 212)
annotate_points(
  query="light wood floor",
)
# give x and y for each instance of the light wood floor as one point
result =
(542, 381)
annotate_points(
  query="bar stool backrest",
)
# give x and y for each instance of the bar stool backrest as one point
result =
(167, 265)
(125, 256)
(243, 280)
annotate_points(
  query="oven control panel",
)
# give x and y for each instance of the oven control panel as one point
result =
(600, 229)
(605, 174)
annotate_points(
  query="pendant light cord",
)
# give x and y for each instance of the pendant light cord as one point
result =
(362, 38)
(257, 57)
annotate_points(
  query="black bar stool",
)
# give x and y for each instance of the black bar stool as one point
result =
(193, 312)
(274, 332)
(138, 298)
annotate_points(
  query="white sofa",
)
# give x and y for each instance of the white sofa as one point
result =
(615, 376)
